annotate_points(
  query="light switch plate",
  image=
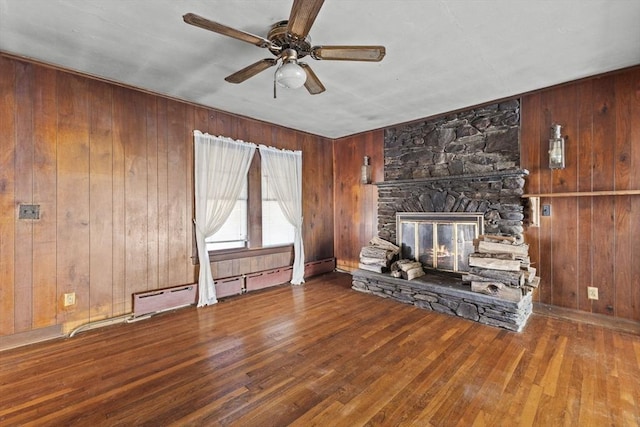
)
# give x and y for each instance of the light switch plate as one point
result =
(546, 210)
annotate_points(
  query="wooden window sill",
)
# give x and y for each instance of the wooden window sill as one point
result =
(228, 254)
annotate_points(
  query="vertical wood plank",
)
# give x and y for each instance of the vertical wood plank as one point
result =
(586, 244)
(45, 194)
(631, 308)
(564, 245)
(324, 187)
(624, 93)
(545, 268)
(604, 131)
(119, 297)
(163, 198)
(189, 237)
(7, 194)
(201, 123)
(562, 110)
(24, 195)
(135, 158)
(311, 182)
(152, 191)
(177, 183)
(73, 197)
(101, 230)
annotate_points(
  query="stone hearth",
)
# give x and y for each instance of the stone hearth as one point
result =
(447, 295)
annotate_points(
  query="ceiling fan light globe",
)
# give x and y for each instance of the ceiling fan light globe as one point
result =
(291, 76)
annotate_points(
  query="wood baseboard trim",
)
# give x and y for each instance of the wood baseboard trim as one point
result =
(31, 337)
(614, 323)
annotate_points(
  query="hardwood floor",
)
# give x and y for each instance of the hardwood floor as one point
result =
(322, 354)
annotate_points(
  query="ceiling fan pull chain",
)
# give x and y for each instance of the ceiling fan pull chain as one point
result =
(274, 83)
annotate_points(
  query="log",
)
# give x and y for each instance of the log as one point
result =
(371, 267)
(496, 238)
(377, 241)
(373, 261)
(468, 278)
(530, 274)
(413, 273)
(534, 283)
(405, 264)
(502, 248)
(512, 278)
(494, 263)
(409, 266)
(497, 289)
(376, 252)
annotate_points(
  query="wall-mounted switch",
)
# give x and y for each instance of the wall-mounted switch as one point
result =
(546, 210)
(29, 212)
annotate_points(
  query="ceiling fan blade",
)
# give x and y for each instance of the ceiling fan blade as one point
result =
(349, 53)
(313, 84)
(199, 21)
(251, 70)
(303, 13)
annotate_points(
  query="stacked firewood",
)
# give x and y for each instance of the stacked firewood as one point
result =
(407, 269)
(501, 267)
(377, 255)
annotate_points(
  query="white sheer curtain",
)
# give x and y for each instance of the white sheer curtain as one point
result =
(285, 172)
(221, 166)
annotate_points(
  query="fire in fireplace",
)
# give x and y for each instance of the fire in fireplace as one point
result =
(440, 241)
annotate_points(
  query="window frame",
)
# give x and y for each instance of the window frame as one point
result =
(254, 223)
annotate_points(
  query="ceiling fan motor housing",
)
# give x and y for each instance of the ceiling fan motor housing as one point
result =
(281, 40)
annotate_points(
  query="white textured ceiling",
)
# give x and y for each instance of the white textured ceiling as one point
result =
(442, 55)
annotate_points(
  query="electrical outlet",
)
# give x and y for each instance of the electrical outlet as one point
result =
(69, 299)
(592, 292)
(29, 212)
(546, 210)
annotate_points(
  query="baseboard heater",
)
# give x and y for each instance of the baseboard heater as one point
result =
(150, 302)
(314, 268)
(242, 283)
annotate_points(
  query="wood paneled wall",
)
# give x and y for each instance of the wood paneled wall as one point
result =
(356, 204)
(112, 170)
(587, 241)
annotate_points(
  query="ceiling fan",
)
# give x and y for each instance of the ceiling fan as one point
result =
(289, 41)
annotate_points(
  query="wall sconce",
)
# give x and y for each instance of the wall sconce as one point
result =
(365, 171)
(556, 148)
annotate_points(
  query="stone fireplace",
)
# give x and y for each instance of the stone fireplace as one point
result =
(447, 180)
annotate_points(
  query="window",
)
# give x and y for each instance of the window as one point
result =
(276, 229)
(257, 220)
(233, 233)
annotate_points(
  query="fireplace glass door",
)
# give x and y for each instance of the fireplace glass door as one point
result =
(440, 241)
